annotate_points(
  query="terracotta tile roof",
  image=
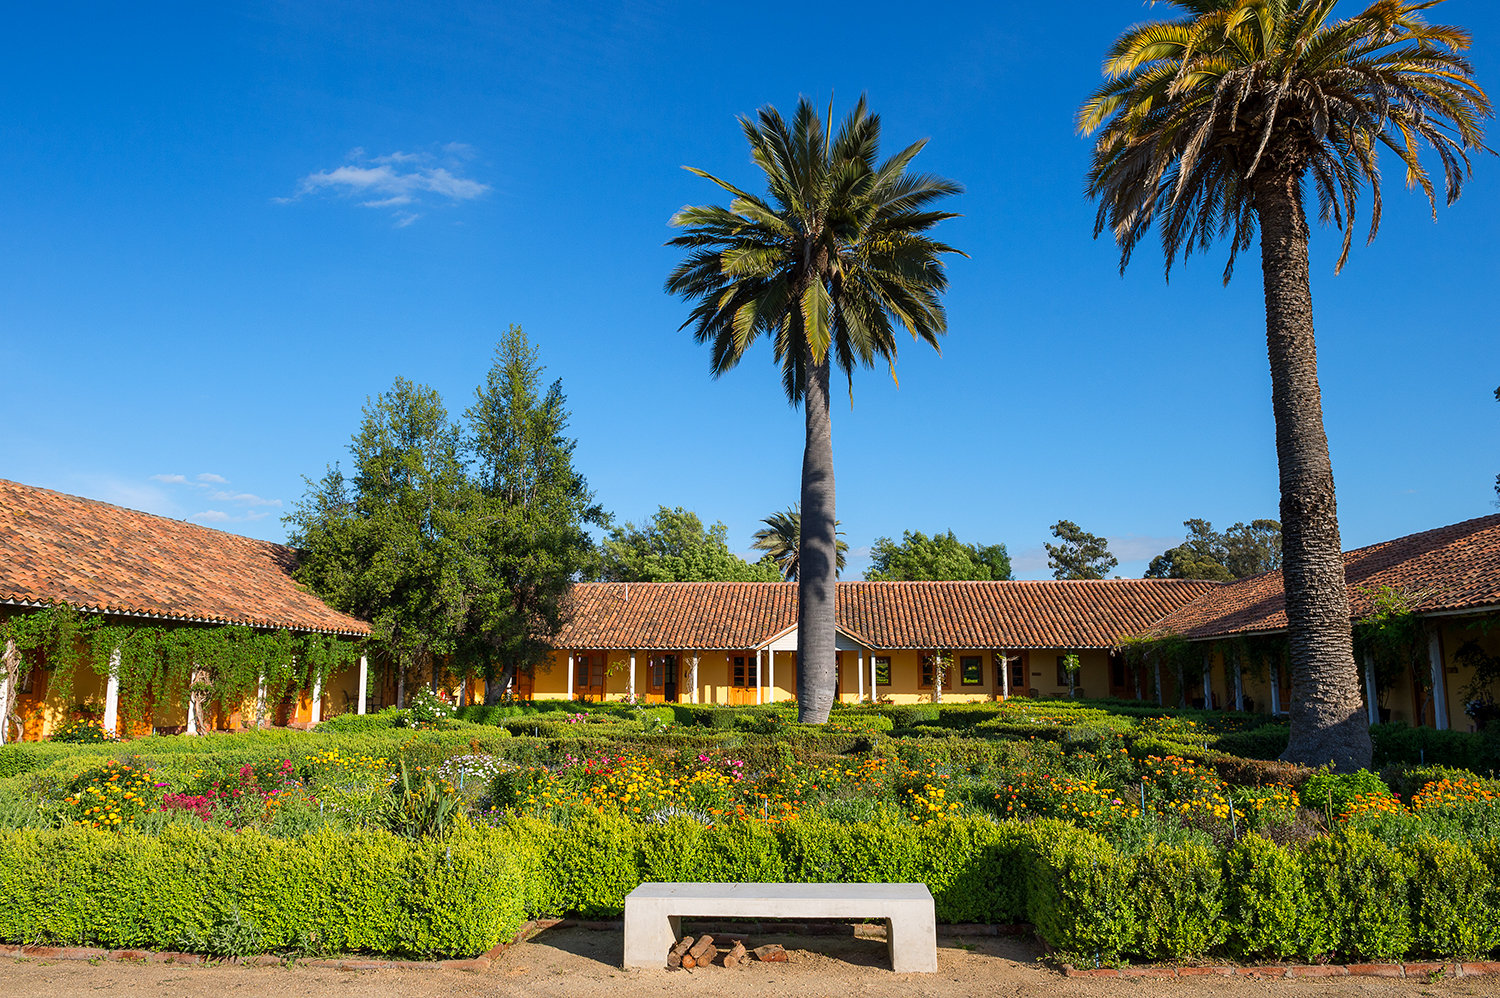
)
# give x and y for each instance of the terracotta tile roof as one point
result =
(57, 547)
(1454, 568)
(733, 615)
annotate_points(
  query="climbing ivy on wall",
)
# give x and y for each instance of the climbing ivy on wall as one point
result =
(158, 664)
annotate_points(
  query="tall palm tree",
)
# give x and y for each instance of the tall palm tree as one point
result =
(1213, 125)
(827, 265)
(782, 536)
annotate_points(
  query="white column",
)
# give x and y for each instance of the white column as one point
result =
(192, 715)
(1238, 679)
(364, 682)
(10, 661)
(10, 654)
(1372, 705)
(770, 675)
(1439, 681)
(695, 678)
(632, 675)
(315, 708)
(860, 673)
(874, 687)
(112, 694)
(572, 690)
(260, 701)
(1156, 672)
(1275, 690)
(1004, 661)
(760, 679)
(1208, 682)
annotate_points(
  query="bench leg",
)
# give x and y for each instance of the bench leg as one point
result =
(649, 934)
(912, 938)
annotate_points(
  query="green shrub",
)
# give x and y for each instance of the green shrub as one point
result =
(328, 891)
(1179, 898)
(1267, 741)
(1402, 744)
(1079, 893)
(1360, 889)
(379, 721)
(23, 758)
(1332, 792)
(911, 715)
(1266, 901)
(1455, 901)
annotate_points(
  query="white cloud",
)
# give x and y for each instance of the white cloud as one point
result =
(219, 516)
(253, 507)
(396, 180)
(243, 499)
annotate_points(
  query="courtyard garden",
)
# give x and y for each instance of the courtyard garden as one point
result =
(1120, 831)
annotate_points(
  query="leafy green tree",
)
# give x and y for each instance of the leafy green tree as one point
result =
(527, 540)
(383, 544)
(1201, 556)
(1214, 125)
(827, 267)
(674, 546)
(1253, 548)
(941, 557)
(1238, 553)
(1079, 554)
(781, 538)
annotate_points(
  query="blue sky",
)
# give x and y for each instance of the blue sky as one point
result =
(225, 225)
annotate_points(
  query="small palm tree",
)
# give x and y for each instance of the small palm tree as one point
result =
(780, 538)
(1214, 125)
(827, 266)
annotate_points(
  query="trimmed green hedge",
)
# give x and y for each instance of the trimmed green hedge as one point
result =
(194, 887)
(1345, 895)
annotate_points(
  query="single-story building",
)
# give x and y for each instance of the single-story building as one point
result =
(125, 567)
(1442, 587)
(736, 642)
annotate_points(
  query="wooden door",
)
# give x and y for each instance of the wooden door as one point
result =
(744, 678)
(588, 677)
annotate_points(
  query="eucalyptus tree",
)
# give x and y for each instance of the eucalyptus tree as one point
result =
(780, 539)
(1213, 126)
(1078, 554)
(827, 265)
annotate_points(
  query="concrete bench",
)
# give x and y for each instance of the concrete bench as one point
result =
(654, 913)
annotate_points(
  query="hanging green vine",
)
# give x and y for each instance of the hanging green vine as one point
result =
(1394, 637)
(157, 664)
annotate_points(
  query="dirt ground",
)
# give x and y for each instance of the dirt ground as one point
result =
(573, 962)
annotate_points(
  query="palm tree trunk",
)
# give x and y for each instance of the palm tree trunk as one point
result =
(1327, 717)
(816, 554)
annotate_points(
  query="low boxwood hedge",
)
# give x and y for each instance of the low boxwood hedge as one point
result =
(195, 887)
(1344, 896)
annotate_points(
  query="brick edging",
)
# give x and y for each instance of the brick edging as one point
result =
(476, 964)
(1282, 970)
